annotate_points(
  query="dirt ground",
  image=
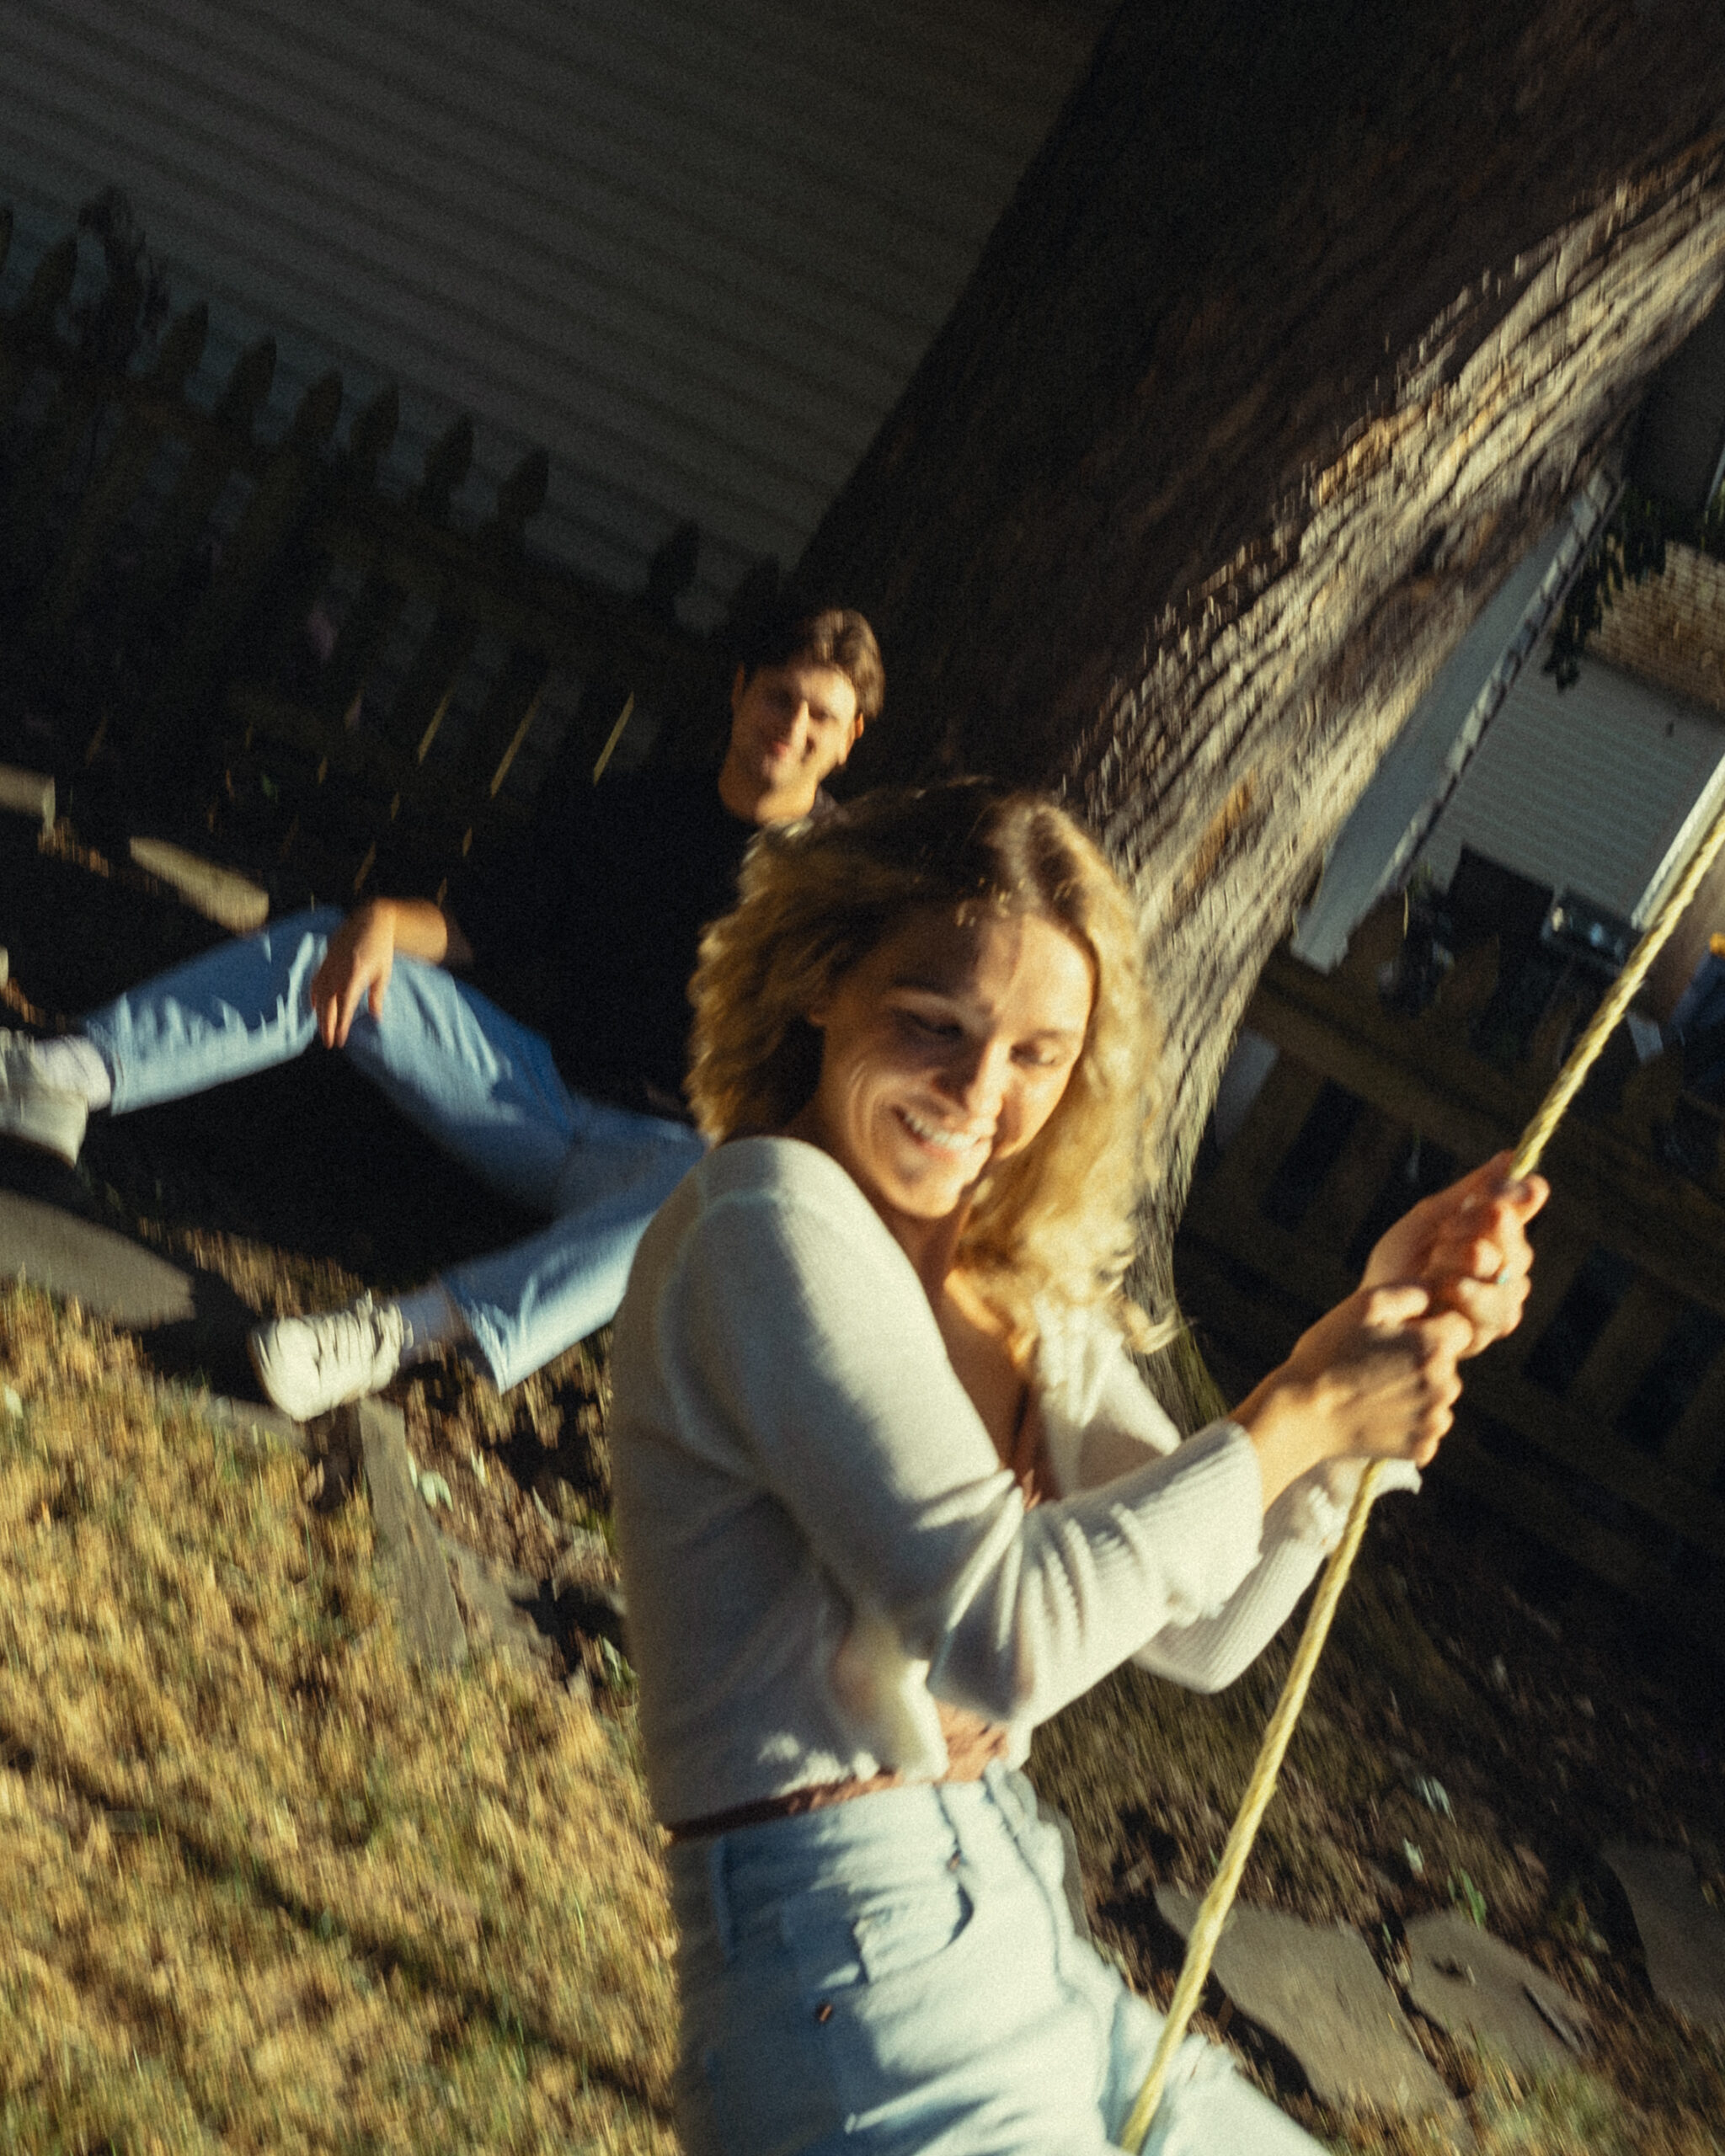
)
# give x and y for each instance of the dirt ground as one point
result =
(1483, 1706)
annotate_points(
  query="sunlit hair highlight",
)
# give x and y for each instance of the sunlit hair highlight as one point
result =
(1055, 1224)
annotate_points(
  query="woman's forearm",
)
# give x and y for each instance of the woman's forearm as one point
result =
(1286, 1434)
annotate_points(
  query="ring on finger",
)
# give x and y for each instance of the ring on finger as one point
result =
(1502, 1278)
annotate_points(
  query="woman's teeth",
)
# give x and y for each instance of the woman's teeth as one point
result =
(940, 1136)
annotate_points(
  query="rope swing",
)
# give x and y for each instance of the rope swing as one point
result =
(1207, 1930)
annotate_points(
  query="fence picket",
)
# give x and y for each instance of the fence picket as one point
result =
(299, 576)
(502, 724)
(27, 336)
(114, 489)
(202, 638)
(371, 619)
(219, 443)
(56, 443)
(418, 712)
(270, 521)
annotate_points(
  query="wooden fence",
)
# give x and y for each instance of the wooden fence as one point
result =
(1599, 1425)
(336, 678)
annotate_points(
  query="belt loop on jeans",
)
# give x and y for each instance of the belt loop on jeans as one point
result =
(718, 1893)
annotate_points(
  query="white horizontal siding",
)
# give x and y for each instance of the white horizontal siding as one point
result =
(1592, 789)
(693, 249)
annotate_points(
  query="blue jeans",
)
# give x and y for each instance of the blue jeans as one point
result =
(899, 1975)
(483, 1087)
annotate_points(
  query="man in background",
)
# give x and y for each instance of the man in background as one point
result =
(571, 1106)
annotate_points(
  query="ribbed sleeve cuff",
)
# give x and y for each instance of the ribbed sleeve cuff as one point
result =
(1317, 1505)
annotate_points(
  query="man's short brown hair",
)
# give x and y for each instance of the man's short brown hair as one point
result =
(792, 629)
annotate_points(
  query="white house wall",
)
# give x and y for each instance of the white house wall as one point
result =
(1593, 789)
(1360, 864)
(694, 247)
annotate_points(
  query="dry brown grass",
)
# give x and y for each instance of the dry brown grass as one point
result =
(264, 1884)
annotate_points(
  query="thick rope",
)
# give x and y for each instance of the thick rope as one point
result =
(1207, 1929)
(1617, 1000)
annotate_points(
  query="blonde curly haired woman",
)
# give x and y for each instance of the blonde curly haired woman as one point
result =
(890, 1489)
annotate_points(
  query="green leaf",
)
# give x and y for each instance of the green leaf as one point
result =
(1466, 1895)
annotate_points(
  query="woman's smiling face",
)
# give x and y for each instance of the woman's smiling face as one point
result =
(947, 1047)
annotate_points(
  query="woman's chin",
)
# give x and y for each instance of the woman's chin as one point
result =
(930, 1195)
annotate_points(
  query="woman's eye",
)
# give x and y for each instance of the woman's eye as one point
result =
(932, 1028)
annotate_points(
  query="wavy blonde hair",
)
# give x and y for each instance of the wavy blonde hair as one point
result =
(1055, 1224)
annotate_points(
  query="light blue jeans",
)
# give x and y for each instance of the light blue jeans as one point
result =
(901, 1975)
(480, 1085)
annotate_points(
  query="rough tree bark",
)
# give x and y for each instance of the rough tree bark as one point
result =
(1302, 328)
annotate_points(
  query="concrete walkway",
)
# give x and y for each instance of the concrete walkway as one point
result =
(76, 1261)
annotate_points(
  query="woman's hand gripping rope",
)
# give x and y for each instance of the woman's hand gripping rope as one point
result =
(1208, 1928)
(1376, 1377)
(1450, 1278)
(1467, 1245)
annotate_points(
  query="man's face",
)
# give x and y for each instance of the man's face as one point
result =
(791, 727)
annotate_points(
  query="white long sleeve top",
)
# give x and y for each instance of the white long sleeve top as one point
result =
(818, 1538)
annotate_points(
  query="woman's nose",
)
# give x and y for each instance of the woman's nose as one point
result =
(976, 1075)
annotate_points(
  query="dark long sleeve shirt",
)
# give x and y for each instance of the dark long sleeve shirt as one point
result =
(590, 933)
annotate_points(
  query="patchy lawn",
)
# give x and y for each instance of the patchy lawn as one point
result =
(264, 1885)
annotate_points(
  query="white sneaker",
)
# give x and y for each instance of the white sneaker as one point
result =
(308, 1365)
(34, 1112)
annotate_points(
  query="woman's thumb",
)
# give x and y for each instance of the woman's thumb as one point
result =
(1396, 1305)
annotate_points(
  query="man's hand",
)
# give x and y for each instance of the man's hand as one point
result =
(361, 956)
(1467, 1245)
(356, 970)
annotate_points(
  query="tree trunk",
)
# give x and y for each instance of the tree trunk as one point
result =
(1300, 329)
